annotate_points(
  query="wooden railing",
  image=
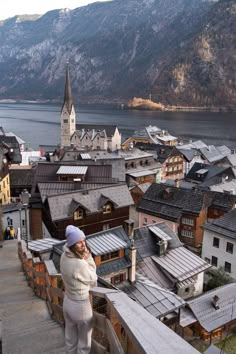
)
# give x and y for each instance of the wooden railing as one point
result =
(120, 325)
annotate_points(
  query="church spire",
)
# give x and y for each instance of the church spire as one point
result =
(68, 119)
(68, 101)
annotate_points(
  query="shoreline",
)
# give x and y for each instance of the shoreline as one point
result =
(118, 106)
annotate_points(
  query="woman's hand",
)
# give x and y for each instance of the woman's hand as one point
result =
(86, 253)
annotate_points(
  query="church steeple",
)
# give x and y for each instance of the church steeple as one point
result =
(68, 101)
(67, 113)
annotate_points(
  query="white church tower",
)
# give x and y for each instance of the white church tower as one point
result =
(68, 119)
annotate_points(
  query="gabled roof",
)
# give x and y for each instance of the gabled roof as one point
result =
(198, 144)
(110, 129)
(60, 205)
(13, 147)
(206, 314)
(72, 170)
(140, 173)
(188, 154)
(43, 245)
(232, 159)
(21, 177)
(148, 268)
(181, 264)
(47, 172)
(222, 201)
(171, 202)
(145, 242)
(224, 225)
(213, 154)
(163, 152)
(156, 300)
(105, 242)
(144, 186)
(211, 171)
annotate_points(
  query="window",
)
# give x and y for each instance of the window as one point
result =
(144, 221)
(186, 233)
(78, 214)
(106, 208)
(118, 278)
(230, 247)
(108, 256)
(105, 257)
(106, 226)
(154, 221)
(188, 221)
(214, 261)
(65, 120)
(216, 242)
(228, 267)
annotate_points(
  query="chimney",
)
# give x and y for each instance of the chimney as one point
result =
(129, 228)
(177, 183)
(132, 256)
(215, 302)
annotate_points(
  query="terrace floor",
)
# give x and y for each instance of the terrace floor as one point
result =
(25, 323)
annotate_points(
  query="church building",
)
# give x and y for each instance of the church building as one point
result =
(85, 136)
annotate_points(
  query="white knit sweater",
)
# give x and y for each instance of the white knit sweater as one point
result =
(78, 275)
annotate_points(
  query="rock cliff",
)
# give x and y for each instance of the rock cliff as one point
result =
(182, 52)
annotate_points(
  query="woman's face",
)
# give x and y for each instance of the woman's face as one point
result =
(81, 245)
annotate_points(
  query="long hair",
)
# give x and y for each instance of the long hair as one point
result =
(78, 253)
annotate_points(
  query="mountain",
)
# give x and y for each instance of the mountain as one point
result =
(182, 52)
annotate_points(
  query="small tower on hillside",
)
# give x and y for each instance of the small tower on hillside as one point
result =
(68, 119)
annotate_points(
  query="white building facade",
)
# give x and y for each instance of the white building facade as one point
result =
(219, 246)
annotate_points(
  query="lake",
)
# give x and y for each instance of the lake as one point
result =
(39, 124)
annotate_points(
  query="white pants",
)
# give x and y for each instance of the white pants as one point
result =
(78, 326)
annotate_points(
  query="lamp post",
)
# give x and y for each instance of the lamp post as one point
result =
(24, 197)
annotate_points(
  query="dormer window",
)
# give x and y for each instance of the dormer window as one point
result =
(66, 121)
(107, 208)
(108, 256)
(78, 214)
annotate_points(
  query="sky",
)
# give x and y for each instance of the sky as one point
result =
(10, 8)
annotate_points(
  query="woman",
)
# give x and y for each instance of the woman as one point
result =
(79, 274)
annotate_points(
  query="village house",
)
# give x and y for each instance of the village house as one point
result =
(21, 177)
(166, 262)
(11, 144)
(77, 157)
(92, 210)
(84, 136)
(171, 160)
(210, 314)
(204, 175)
(185, 211)
(150, 135)
(219, 242)
(214, 154)
(61, 177)
(5, 195)
(210, 154)
(190, 157)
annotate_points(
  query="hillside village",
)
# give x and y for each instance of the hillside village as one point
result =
(159, 216)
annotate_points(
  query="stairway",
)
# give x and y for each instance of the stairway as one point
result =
(25, 323)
